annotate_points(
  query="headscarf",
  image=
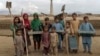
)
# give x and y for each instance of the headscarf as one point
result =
(36, 23)
(26, 21)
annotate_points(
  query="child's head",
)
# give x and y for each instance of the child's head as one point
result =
(16, 20)
(35, 15)
(61, 17)
(74, 15)
(47, 20)
(67, 24)
(25, 16)
(18, 32)
(86, 18)
(53, 29)
(45, 28)
(56, 19)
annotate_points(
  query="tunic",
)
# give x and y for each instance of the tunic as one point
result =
(58, 26)
(53, 39)
(75, 26)
(86, 38)
(45, 39)
(18, 41)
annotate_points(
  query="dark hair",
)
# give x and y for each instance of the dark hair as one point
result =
(68, 22)
(35, 15)
(19, 21)
(53, 28)
(46, 19)
(18, 30)
(74, 14)
(86, 17)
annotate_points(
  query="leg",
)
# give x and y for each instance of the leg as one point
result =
(39, 41)
(60, 40)
(84, 46)
(55, 51)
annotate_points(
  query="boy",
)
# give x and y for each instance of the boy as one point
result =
(54, 41)
(58, 27)
(19, 43)
(74, 27)
(86, 37)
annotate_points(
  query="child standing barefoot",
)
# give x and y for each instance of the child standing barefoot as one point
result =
(67, 34)
(45, 40)
(19, 43)
(54, 41)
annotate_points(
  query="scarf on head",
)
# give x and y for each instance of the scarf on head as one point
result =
(26, 21)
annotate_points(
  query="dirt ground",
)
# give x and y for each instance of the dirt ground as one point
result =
(7, 48)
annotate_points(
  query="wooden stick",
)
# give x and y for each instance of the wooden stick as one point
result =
(65, 34)
(25, 39)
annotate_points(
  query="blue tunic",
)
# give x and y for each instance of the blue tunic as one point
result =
(58, 26)
(86, 38)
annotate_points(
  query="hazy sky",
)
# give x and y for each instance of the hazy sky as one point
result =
(31, 6)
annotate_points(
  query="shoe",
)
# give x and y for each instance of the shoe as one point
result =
(89, 52)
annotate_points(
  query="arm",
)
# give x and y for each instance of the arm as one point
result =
(92, 28)
(71, 28)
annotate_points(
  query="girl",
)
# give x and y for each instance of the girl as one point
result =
(19, 43)
(86, 37)
(27, 28)
(58, 27)
(36, 25)
(54, 41)
(67, 34)
(17, 24)
(46, 40)
(47, 23)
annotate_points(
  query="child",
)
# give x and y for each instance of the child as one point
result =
(47, 23)
(27, 28)
(58, 27)
(86, 38)
(54, 41)
(74, 27)
(67, 34)
(19, 43)
(46, 40)
(36, 25)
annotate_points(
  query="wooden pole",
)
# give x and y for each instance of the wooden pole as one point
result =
(10, 11)
(65, 30)
(26, 44)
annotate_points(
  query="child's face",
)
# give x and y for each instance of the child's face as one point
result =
(74, 17)
(57, 20)
(46, 29)
(53, 30)
(86, 20)
(67, 25)
(16, 20)
(26, 16)
(19, 33)
(47, 21)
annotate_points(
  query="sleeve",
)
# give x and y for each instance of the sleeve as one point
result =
(62, 28)
(80, 27)
(41, 26)
(32, 24)
(11, 27)
(92, 28)
(72, 31)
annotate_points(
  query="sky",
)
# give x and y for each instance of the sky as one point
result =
(38, 6)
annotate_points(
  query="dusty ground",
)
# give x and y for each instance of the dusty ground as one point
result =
(7, 48)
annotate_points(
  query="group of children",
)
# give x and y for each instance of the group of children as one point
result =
(52, 40)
